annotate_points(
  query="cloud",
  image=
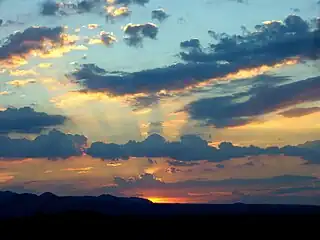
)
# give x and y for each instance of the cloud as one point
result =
(85, 6)
(42, 42)
(135, 33)
(159, 14)
(147, 179)
(187, 151)
(21, 43)
(114, 12)
(192, 148)
(232, 110)
(191, 44)
(299, 112)
(270, 42)
(106, 38)
(272, 45)
(181, 163)
(145, 182)
(19, 83)
(49, 8)
(54, 145)
(26, 120)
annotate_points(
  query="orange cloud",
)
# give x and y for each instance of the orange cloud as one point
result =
(22, 73)
(21, 83)
(241, 74)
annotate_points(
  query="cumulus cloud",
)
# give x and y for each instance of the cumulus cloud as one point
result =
(113, 13)
(135, 33)
(49, 8)
(107, 38)
(159, 14)
(193, 44)
(54, 145)
(189, 150)
(272, 44)
(26, 120)
(192, 148)
(86, 5)
(21, 43)
(233, 111)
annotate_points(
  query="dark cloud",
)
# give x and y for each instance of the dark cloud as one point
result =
(172, 77)
(26, 120)
(54, 145)
(49, 8)
(313, 145)
(152, 161)
(193, 44)
(192, 148)
(159, 14)
(299, 112)
(270, 44)
(172, 170)
(86, 5)
(21, 43)
(296, 189)
(220, 166)
(181, 163)
(136, 33)
(149, 181)
(107, 38)
(144, 101)
(189, 149)
(234, 111)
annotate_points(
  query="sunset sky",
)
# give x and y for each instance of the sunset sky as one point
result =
(176, 101)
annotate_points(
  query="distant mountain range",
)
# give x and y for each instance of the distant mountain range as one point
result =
(14, 205)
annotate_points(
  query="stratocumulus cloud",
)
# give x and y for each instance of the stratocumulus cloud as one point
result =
(55, 145)
(231, 111)
(190, 148)
(26, 120)
(271, 44)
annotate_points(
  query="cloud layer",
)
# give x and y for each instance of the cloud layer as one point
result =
(55, 145)
(270, 44)
(190, 148)
(26, 120)
(233, 111)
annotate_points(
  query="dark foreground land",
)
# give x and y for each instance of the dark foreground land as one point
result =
(49, 208)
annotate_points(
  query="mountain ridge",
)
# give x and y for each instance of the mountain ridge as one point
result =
(17, 205)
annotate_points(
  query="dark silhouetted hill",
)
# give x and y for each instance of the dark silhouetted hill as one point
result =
(49, 206)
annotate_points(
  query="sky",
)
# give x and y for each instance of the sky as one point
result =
(207, 101)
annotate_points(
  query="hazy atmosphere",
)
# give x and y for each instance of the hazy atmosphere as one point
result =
(186, 101)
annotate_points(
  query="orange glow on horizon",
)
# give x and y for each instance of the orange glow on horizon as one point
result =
(168, 200)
